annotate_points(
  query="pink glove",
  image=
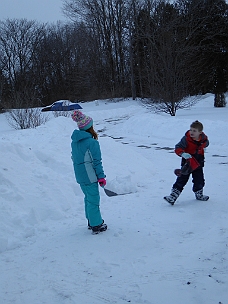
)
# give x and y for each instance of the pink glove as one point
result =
(102, 182)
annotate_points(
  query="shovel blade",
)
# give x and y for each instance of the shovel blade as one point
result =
(109, 192)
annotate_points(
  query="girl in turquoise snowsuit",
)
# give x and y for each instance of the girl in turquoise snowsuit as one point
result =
(88, 169)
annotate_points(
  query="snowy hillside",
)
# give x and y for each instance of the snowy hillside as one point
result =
(152, 252)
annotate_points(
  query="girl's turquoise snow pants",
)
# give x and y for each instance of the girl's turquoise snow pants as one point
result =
(92, 204)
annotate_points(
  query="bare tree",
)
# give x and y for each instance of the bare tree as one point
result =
(180, 49)
(205, 25)
(171, 107)
(158, 48)
(107, 20)
(25, 118)
(19, 40)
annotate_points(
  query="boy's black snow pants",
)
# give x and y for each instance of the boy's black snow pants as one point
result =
(197, 180)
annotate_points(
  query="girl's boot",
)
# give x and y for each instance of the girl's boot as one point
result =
(173, 196)
(199, 195)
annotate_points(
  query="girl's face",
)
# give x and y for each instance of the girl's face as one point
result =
(195, 133)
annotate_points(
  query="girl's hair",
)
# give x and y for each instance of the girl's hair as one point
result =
(197, 125)
(91, 131)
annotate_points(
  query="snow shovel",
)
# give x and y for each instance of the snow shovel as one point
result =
(111, 193)
(190, 165)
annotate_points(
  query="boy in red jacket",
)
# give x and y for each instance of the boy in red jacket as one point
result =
(191, 145)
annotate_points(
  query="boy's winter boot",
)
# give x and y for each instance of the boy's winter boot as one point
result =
(173, 196)
(199, 195)
(99, 228)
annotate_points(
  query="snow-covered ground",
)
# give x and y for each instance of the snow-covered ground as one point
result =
(152, 252)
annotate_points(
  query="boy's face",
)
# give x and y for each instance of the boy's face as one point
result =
(195, 133)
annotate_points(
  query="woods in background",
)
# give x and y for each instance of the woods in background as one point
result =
(162, 51)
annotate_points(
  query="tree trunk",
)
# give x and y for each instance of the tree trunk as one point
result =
(220, 100)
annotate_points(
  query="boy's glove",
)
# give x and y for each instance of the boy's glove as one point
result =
(102, 182)
(186, 155)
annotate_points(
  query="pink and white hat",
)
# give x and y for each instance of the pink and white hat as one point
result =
(84, 122)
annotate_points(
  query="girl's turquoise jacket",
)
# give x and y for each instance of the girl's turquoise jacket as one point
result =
(86, 156)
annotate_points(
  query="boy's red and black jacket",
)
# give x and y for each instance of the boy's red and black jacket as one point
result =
(193, 147)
